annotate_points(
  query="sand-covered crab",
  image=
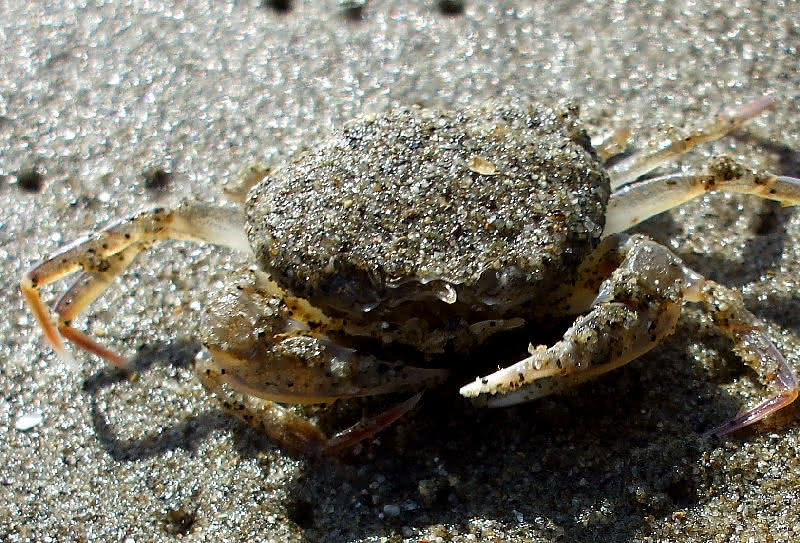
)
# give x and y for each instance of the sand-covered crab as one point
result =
(404, 240)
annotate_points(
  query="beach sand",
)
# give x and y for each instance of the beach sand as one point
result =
(107, 108)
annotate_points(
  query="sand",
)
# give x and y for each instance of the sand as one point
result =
(107, 108)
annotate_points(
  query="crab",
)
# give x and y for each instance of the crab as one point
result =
(407, 240)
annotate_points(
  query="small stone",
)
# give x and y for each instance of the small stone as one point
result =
(482, 166)
(28, 421)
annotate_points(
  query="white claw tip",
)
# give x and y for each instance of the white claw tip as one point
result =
(472, 389)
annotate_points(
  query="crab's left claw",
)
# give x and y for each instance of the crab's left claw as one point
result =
(637, 306)
(610, 336)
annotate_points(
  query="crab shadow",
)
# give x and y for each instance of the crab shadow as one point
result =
(588, 466)
(184, 435)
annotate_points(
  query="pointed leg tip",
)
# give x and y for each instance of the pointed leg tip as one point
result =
(88, 344)
(410, 403)
(757, 413)
(66, 357)
(365, 429)
(754, 108)
(726, 428)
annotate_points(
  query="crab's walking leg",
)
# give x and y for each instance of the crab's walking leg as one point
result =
(640, 163)
(103, 255)
(637, 306)
(639, 201)
(750, 343)
(613, 144)
(83, 291)
(282, 425)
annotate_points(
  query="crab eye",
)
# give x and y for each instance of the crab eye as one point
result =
(500, 287)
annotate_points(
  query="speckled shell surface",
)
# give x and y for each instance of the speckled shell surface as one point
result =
(491, 204)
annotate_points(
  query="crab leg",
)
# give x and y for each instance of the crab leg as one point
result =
(636, 307)
(640, 163)
(612, 144)
(290, 430)
(84, 291)
(103, 255)
(636, 202)
(749, 342)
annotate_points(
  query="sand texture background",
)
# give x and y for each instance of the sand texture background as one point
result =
(94, 95)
